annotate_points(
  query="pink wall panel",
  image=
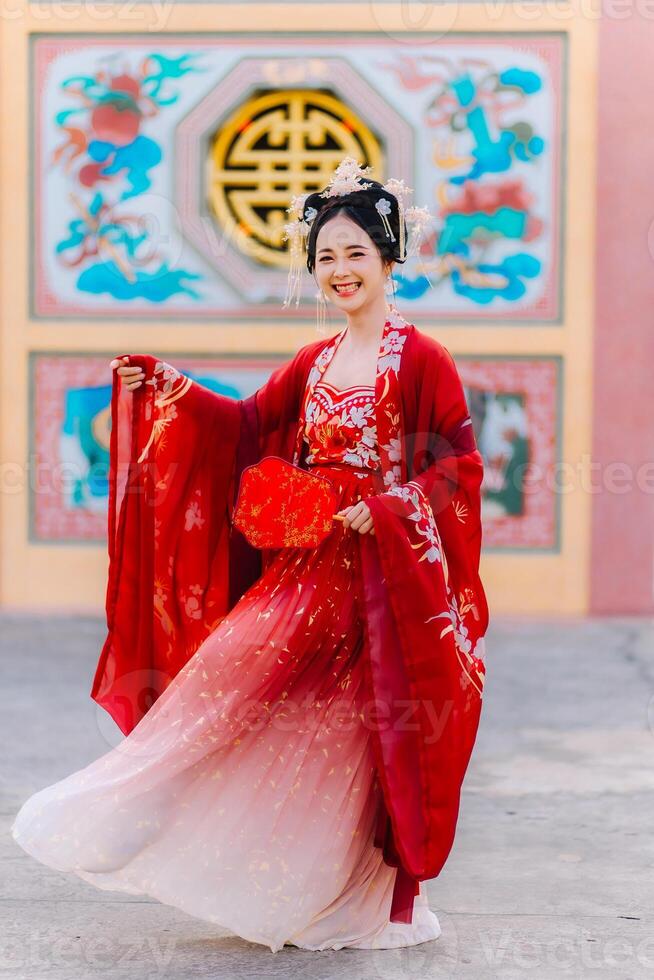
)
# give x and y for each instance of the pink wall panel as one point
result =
(622, 567)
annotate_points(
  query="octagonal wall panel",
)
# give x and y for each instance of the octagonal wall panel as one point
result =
(300, 135)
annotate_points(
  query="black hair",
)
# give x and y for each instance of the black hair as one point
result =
(360, 207)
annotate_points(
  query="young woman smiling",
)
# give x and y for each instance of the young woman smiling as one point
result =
(298, 721)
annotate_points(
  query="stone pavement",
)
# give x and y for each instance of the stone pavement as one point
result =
(552, 870)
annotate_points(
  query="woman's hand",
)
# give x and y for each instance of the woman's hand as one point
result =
(131, 377)
(358, 517)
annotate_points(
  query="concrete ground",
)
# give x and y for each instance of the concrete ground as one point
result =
(552, 870)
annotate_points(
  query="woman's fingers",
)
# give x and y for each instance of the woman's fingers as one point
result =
(131, 376)
(349, 514)
(359, 518)
(124, 368)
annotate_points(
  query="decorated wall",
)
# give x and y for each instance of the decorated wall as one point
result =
(143, 201)
(163, 169)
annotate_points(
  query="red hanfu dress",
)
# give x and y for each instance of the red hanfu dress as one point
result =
(259, 790)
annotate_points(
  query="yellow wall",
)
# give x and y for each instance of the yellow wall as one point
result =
(63, 577)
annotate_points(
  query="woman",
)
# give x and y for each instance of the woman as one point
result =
(298, 721)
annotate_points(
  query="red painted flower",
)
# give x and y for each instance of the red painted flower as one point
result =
(126, 83)
(334, 438)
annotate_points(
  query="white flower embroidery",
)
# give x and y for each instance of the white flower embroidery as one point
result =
(391, 350)
(360, 456)
(422, 516)
(460, 629)
(394, 449)
(359, 413)
(311, 412)
(404, 492)
(165, 377)
(393, 342)
(433, 552)
(369, 436)
(320, 364)
(392, 476)
(470, 659)
(314, 374)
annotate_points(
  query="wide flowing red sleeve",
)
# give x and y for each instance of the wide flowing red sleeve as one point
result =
(176, 563)
(172, 454)
(426, 613)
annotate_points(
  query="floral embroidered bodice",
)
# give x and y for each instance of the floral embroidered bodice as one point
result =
(340, 426)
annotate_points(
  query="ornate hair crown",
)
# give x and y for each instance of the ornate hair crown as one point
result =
(348, 178)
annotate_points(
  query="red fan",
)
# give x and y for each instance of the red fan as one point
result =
(280, 505)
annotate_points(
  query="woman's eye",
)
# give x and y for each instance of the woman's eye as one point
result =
(354, 255)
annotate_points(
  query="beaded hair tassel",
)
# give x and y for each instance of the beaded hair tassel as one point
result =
(295, 232)
(417, 219)
(398, 188)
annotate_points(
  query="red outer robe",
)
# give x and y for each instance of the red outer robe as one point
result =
(177, 565)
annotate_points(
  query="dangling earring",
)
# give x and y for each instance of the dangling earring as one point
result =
(321, 310)
(389, 289)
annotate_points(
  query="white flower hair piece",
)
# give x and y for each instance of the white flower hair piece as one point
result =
(296, 208)
(396, 186)
(383, 206)
(348, 177)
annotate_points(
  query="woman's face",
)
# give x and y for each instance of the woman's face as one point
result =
(347, 256)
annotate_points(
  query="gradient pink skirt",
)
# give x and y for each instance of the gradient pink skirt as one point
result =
(247, 795)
